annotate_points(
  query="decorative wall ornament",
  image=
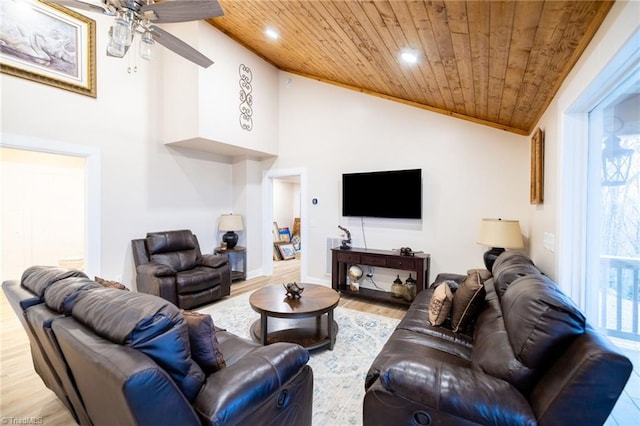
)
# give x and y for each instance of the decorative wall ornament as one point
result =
(246, 98)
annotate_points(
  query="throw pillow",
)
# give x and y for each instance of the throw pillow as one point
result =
(440, 304)
(205, 349)
(110, 284)
(467, 301)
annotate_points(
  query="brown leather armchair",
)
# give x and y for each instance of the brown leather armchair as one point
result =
(170, 265)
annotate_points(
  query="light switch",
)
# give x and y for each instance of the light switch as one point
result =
(549, 242)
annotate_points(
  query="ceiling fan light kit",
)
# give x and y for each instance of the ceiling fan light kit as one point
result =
(138, 16)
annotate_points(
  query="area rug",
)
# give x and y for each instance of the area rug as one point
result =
(338, 375)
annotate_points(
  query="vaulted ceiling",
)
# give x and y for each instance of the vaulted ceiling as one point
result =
(497, 63)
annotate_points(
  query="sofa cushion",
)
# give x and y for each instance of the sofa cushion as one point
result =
(492, 352)
(38, 278)
(510, 266)
(177, 249)
(61, 295)
(467, 301)
(197, 279)
(205, 348)
(440, 305)
(110, 284)
(147, 323)
(540, 320)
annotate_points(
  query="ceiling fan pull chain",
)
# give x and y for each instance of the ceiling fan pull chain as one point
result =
(133, 57)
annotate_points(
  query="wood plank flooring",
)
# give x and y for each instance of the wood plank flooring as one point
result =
(25, 399)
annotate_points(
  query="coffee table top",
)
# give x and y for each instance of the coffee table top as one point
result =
(315, 300)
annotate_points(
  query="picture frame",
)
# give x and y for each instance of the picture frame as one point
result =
(48, 44)
(276, 252)
(285, 234)
(287, 251)
(537, 167)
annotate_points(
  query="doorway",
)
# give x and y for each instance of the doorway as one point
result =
(284, 192)
(50, 204)
(42, 210)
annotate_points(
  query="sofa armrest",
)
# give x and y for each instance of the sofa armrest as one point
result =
(234, 391)
(458, 391)
(156, 270)
(157, 279)
(447, 276)
(212, 260)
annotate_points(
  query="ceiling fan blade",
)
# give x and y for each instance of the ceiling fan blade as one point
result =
(182, 10)
(96, 6)
(178, 46)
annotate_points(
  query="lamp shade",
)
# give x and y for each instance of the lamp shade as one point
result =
(230, 222)
(500, 233)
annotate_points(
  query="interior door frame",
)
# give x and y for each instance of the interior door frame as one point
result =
(92, 243)
(267, 207)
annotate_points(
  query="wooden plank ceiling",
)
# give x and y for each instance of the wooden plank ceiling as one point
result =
(497, 63)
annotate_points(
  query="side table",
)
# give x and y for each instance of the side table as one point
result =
(238, 261)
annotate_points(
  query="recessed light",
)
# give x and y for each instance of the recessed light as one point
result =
(272, 34)
(409, 57)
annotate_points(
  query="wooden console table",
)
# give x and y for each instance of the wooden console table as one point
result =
(342, 259)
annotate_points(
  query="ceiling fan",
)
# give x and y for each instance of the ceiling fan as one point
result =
(138, 16)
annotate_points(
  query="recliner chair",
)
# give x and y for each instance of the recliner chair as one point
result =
(169, 264)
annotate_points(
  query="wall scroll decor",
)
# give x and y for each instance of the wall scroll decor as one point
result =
(537, 167)
(246, 98)
(48, 44)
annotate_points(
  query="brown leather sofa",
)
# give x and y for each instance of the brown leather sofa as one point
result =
(116, 357)
(170, 265)
(529, 357)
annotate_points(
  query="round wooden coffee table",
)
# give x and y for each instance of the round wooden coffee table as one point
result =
(298, 320)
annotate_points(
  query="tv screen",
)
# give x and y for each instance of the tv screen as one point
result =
(393, 194)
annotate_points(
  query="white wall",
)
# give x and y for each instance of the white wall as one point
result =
(206, 102)
(621, 22)
(469, 171)
(145, 186)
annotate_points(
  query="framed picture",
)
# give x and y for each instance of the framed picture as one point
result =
(537, 167)
(48, 44)
(287, 251)
(276, 252)
(275, 231)
(285, 234)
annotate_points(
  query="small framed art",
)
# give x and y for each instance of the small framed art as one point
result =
(48, 44)
(537, 167)
(287, 251)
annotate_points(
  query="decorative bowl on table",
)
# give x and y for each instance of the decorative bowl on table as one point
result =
(293, 290)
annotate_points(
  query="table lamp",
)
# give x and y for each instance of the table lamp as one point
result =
(499, 234)
(230, 223)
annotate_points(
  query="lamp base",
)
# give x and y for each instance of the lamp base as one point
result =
(490, 257)
(231, 238)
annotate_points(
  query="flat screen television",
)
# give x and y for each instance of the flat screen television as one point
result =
(395, 194)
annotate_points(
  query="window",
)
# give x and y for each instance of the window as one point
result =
(613, 211)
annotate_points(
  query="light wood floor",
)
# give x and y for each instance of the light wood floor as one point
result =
(24, 396)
